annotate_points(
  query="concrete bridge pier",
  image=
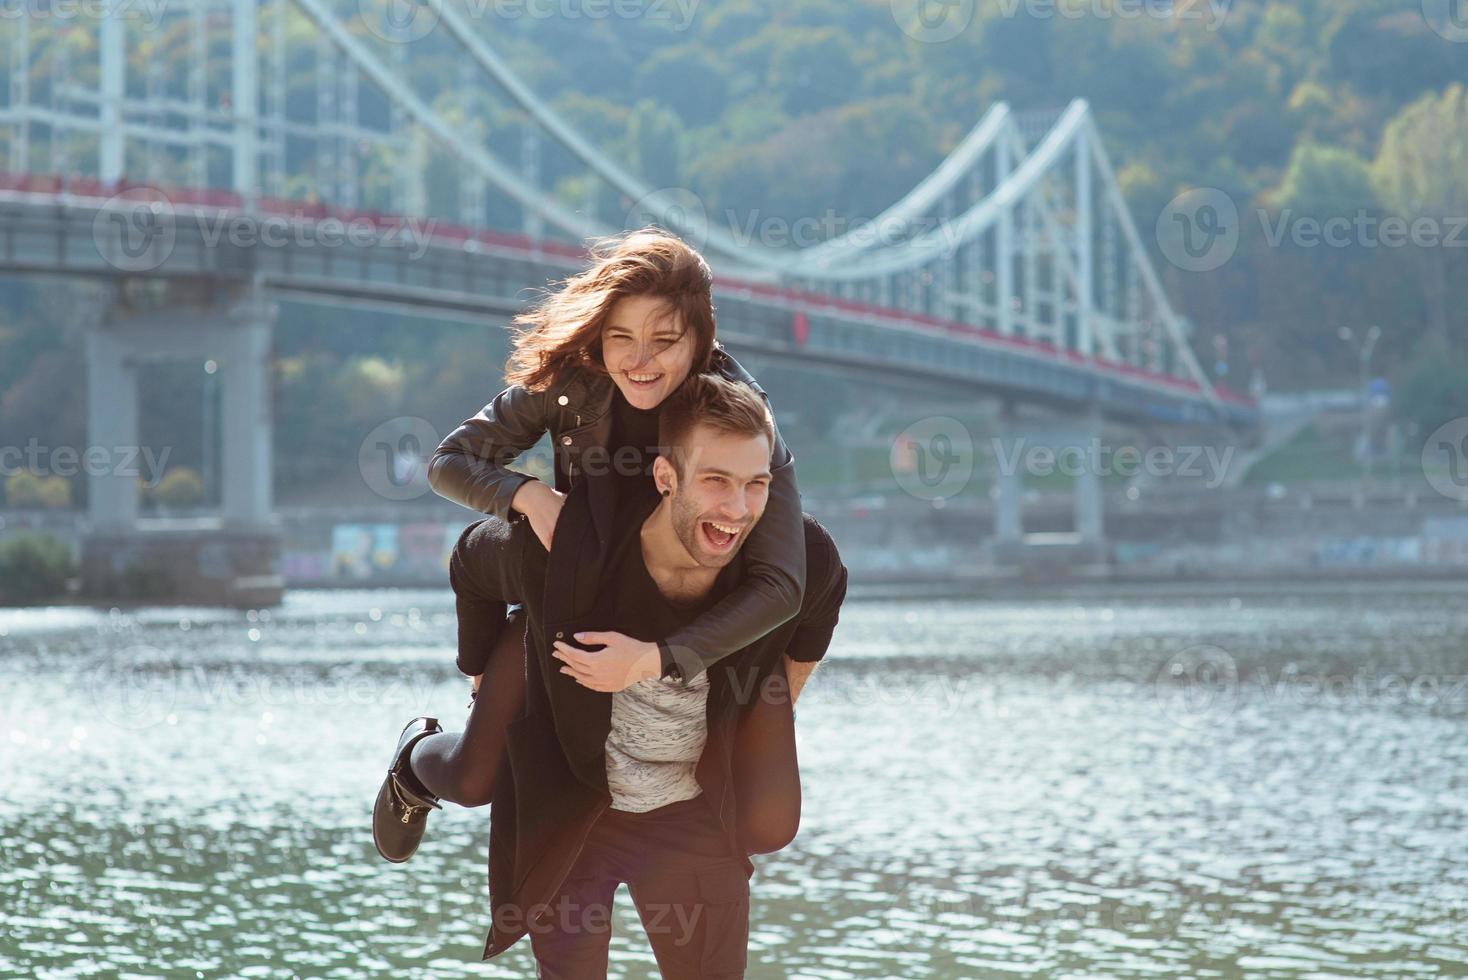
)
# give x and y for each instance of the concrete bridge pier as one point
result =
(246, 495)
(234, 558)
(1089, 505)
(112, 423)
(1008, 486)
(1069, 446)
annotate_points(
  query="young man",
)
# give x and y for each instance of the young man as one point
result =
(635, 786)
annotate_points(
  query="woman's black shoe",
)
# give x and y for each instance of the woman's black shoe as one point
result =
(401, 811)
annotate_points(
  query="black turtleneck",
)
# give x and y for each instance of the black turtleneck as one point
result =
(636, 428)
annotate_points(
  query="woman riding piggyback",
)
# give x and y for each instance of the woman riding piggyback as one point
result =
(591, 364)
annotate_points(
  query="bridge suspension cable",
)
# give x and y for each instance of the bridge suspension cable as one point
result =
(1021, 228)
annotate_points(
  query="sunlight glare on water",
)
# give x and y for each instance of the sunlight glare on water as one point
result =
(1188, 785)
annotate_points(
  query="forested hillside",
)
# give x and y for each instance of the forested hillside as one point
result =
(1307, 110)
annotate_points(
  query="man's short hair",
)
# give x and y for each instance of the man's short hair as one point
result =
(710, 399)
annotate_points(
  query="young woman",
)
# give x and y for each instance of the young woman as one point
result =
(590, 365)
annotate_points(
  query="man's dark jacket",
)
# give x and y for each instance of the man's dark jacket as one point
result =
(553, 786)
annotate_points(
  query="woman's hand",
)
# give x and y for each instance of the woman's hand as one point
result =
(622, 662)
(541, 505)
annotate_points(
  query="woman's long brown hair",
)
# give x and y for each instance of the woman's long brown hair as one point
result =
(563, 330)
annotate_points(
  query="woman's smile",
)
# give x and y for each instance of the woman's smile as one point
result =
(647, 352)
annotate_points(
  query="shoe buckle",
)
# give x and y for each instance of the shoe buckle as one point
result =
(408, 808)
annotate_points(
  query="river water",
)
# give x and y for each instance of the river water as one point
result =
(1182, 784)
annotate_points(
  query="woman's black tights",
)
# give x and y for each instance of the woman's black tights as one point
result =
(461, 766)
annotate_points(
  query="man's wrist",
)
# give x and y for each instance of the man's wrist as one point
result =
(668, 668)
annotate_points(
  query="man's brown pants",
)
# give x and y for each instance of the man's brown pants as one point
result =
(690, 891)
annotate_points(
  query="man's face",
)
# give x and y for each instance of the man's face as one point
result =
(719, 492)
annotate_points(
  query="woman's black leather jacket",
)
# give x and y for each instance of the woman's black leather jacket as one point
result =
(471, 467)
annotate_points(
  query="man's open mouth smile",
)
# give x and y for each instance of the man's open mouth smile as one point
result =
(719, 537)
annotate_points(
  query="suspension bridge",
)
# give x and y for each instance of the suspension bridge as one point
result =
(197, 192)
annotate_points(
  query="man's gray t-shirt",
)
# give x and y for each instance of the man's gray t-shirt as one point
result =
(659, 726)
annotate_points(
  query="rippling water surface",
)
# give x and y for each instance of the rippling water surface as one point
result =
(1218, 785)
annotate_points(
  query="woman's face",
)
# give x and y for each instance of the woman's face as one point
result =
(647, 355)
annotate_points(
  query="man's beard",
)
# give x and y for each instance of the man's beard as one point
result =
(687, 519)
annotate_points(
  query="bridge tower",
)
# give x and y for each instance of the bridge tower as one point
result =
(232, 559)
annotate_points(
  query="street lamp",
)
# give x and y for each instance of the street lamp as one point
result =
(1367, 345)
(206, 478)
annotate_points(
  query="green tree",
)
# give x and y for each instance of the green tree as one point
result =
(1421, 171)
(26, 489)
(1325, 180)
(1430, 388)
(33, 567)
(654, 134)
(813, 68)
(689, 81)
(180, 487)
